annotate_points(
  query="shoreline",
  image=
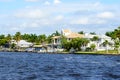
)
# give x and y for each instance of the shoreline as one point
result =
(95, 53)
(76, 53)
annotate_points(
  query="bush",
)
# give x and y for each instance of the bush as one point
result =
(88, 49)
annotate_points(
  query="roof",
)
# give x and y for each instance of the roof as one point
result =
(104, 36)
(56, 37)
(71, 35)
(66, 31)
(24, 42)
(89, 35)
(75, 35)
(37, 46)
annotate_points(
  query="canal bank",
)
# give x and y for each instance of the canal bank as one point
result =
(110, 52)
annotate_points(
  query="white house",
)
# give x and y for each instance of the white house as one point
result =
(71, 35)
(102, 38)
(23, 43)
(68, 34)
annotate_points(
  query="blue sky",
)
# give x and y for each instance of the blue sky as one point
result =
(47, 16)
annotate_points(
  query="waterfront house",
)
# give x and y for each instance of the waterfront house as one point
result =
(68, 34)
(99, 43)
(24, 44)
(71, 35)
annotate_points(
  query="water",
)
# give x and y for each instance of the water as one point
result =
(30, 66)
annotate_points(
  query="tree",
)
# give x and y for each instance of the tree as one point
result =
(32, 38)
(56, 34)
(95, 38)
(76, 43)
(25, 37)
(115, 35)
(2, 36)
(81, 32)
(3, 42)
(117, 45)
(93, 33)
(63, 41)
(13, 45)
(85, 41)
(9, 38)
(117, 31)
(111, 34)
(49, 39)
(92, 46)
(105, 44)
(17, 36)
(42, 38)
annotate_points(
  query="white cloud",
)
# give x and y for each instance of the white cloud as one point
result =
(36, 13)
(57, 1)
(47, 13)
(99, 21)
(97, 4)
(59, 17)
(29, 25)
(88, 20)
(31, 0)
(34, 25)
(15, 29)
(23, 26)
(106, 15)
(47, 3)
(81, 21)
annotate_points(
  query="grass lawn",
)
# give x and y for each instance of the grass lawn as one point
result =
(113, 52)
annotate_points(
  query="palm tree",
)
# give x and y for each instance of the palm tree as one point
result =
(92, 46)
(42, 39)
(9, 38)
(81, 32)
(56, 34)
(106, 43)
(95, 39)
(115, 35)
(17, 37)
(84, 42)
(117, 45)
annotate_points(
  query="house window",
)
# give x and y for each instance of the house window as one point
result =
(55, 40)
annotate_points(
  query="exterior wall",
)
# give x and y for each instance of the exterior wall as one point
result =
(57, 41)
(99, 46)
(65, 33)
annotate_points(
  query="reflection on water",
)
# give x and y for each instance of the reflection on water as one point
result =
(30, 66)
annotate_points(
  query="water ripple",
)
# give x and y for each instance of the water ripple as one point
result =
(30, 66)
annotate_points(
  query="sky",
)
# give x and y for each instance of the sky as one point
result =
(47, 16)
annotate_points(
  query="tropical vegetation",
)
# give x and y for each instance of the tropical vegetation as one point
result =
(78, 43)
(115, 35)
